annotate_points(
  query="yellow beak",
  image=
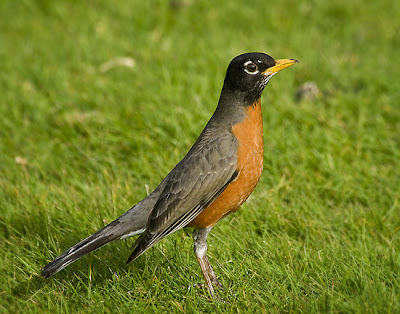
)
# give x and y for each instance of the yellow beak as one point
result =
(280, 64)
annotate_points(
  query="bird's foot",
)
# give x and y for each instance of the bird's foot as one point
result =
(213, 294)
(215, 282)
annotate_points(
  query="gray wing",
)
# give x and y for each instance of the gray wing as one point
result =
(191, 186)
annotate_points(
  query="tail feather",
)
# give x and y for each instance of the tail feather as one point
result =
(131, 223)
(84, 247)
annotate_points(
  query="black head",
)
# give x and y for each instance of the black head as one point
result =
(249, 73)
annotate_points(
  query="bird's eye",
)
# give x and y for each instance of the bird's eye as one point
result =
(250, 67)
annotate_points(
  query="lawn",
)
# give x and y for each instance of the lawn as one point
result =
(99, 100)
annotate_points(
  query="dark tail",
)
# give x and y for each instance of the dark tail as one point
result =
(131, 223)
(109, 233)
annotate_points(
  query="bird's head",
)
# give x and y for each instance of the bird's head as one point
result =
(249, 73)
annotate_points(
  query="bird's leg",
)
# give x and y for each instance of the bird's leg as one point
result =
(200, 249)
(209, 285)
(210, 271)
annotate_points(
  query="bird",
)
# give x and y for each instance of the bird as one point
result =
(213, 179)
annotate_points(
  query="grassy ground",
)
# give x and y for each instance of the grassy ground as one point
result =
(83, 136)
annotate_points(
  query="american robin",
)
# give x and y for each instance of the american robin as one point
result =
(215, 177)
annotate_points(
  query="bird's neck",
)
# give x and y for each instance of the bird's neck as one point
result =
(232, 106)
(243, 98)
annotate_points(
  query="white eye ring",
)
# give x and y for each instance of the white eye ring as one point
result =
(247, 70)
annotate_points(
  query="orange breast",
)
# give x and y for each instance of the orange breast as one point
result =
(250, 164)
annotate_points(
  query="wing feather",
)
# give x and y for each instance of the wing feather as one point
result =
(195, 182)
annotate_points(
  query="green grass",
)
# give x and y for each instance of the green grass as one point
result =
(80, 145)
